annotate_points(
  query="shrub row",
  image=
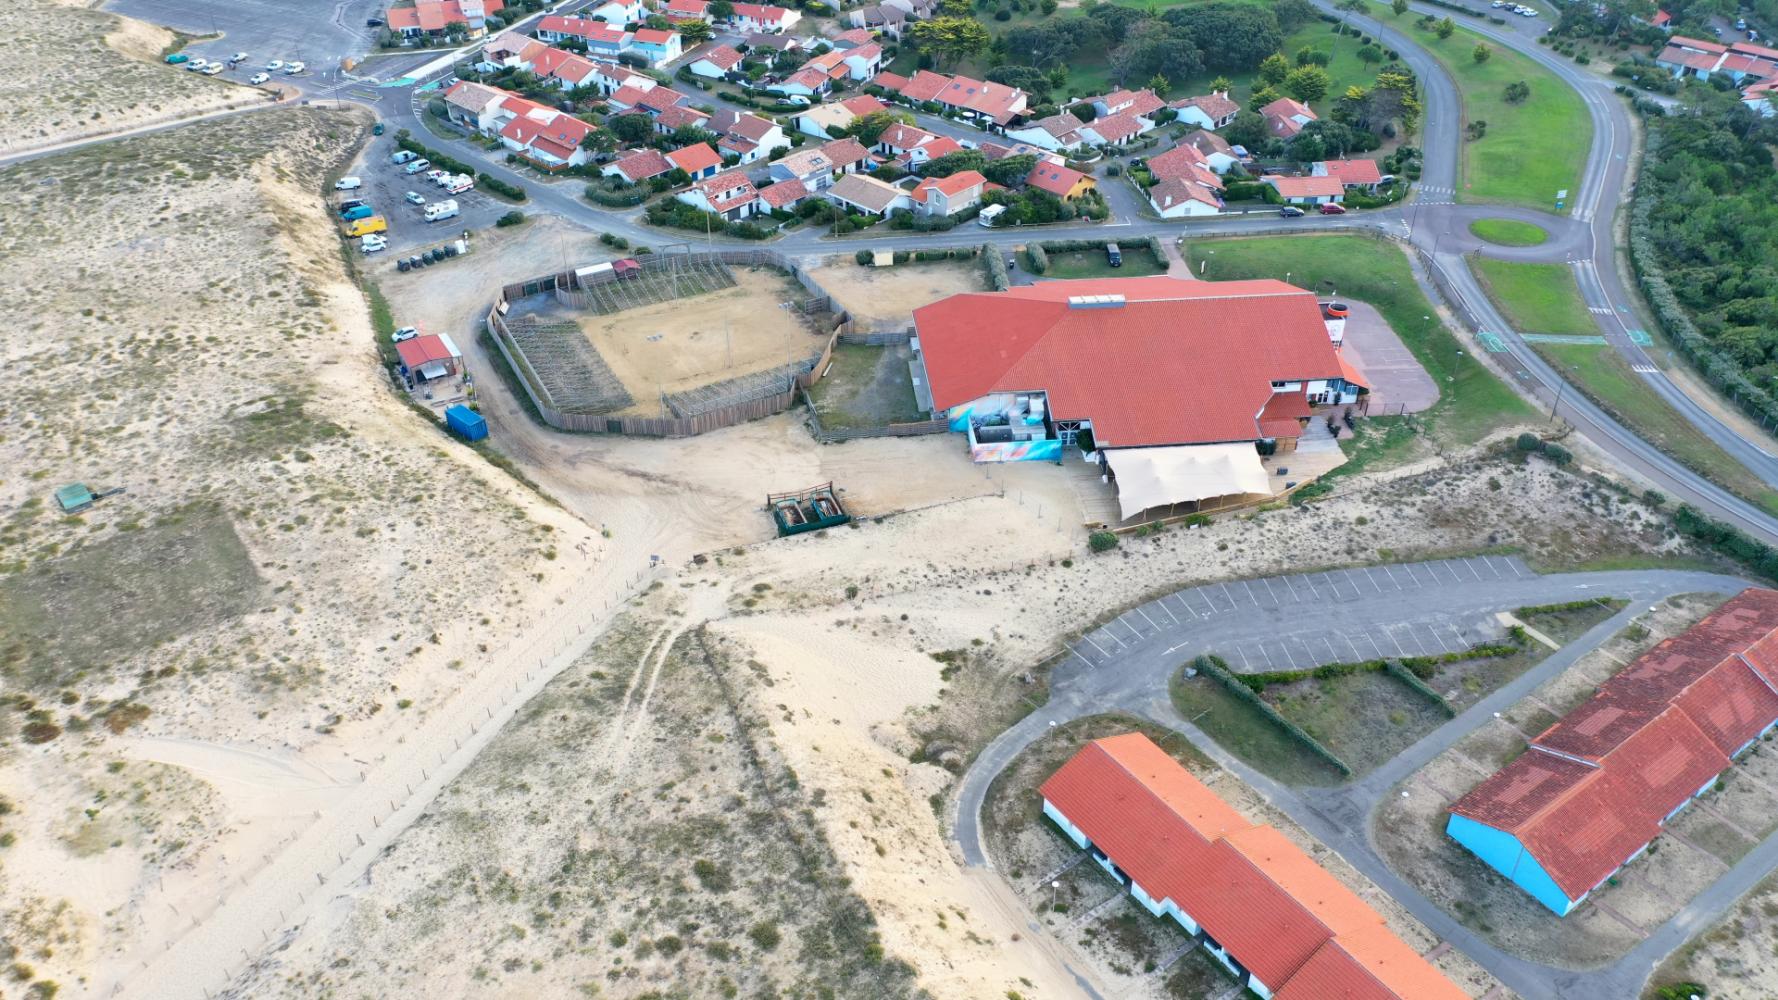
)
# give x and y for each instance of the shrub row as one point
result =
(1406, 676)
(1727, 540)
(1423, 666)
(627, 197)
(998, 279)
(1553, 609)
(442, 161)
(1327, 671)
(500, 187)
(1531, 443)
(867, 257)
(1217, 670)
(1720, 370)
(1037, 260)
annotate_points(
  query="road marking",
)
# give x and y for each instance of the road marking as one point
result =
(1147, 619)
(1249, 588)
(1368, 576)
(1270, 591)
(1225, 595)
(1133, 630)
(1379, 646)
(1334, 582)
(1289, 583)
(1162, 604)
(1472, 570)
(1243, 655)
(1414, 635)
(1491, 567)
(1083, 659)
(1184, 604)
(1090, 642)
(1107, 633)
(1201, 593)
(1308, 651)
(1392, 578)
(1644, 369)
(1462, 643)
(1333, 654)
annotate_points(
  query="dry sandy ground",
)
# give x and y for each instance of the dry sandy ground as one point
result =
(1737, 959)
(885, 297)
(72, 72)
(1704, 840)
(301, 567)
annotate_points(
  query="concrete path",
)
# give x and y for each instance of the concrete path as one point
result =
(1398, 383)
(1126, 665)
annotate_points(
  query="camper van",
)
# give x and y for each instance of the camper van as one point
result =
(364, 227)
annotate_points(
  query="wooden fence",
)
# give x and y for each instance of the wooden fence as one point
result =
(875, 338)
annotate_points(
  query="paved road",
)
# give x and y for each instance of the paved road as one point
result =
(1126, 664)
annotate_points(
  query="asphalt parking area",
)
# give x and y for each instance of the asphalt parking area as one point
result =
(1307, 619)
(386, 185)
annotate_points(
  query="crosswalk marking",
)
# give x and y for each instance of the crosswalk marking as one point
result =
(1644, 369)
(1600, 310)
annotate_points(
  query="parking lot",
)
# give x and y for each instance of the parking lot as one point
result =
(1294, 621)
(385, 188)
(265, 29)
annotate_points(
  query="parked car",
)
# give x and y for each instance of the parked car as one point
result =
(377, 129)
(348, 184)
(373, 243)
(351, 203)
(416, 198)
(238, 57)
(275, 64)
(1291, 212)
(438, 176)
(177, 58)
(405, 333)
(1329, 208)
(212, 69)
(197, 64)
(418, 165)
(373, 22)
(1113, 255)
(294, 68)
(403, 156)
(259, 78)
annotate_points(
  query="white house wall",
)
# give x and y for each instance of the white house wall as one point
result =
(1074, 832)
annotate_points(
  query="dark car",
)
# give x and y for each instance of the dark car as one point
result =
(377, 129)
(1329, 208)
(373, 22)
(1291, 212)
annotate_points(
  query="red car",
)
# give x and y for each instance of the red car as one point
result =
(1329, 208)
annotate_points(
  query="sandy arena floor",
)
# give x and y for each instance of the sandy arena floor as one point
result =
(886, 297)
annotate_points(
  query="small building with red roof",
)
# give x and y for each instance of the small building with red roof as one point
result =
(1306, 190)
(1065, 183)
(1592, 790)
(428, 357)
(1285, 117)
(1350, 173)
(1176, 380)
(940, 196)
(697, 159)
(730, 195)
(1284, 925)
(716, 62)
(441, 17)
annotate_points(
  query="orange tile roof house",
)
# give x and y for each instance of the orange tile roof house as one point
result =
(1211, 111)
(1596, 787)
(1065, 183)
(1261, 906)
(1351, 173)
(1285, 117)
(436, 17)
(1307, 190)
(730, 195)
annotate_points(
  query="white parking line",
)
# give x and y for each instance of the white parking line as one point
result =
(1288, 582)
(1442, 647)
(1233, 604)
(1184, 604)
(1147, 619)
(1090, 642)
(1249, 588)
(1334, 582)
(1457, 634)
(1201, 592)
(1083, 659)
(1105, 631)
(1399, 651)
(1307, 650)
(1417, 643)
(1356, 655)
(1162, 604)
(1332, 653)
(1392, 578)
(1243, 655)
(1471, 565)
(1379, 646)
(1492, 568)
(1368, 575)
(1133, 630)
(1269, 590)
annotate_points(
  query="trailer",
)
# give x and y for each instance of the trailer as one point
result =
(812, 509)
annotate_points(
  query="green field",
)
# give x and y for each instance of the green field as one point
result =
(1472, 402)
(1606, 378)
(1243, 730)
(1138, 262)
(1508, 232)
(1536, 298)
(1531, 150)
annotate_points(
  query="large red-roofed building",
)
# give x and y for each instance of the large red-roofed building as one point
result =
(1280, 922)
(1596, 787)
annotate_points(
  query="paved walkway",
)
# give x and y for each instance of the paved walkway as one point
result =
(1398, 382)
(1126, 664)
(1177, 267)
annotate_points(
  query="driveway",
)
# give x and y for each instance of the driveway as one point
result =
(1398, 382)
(1297, 620)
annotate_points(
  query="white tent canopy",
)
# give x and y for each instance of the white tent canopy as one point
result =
(1156, 477)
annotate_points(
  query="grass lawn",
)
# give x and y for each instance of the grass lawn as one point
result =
(1606, 378)
(1508, 232)
(1092, 264)
(1536, 298)
(866, 387)
(1531, 150)
(1365, 719)
(1472, 401)
(1241, 730)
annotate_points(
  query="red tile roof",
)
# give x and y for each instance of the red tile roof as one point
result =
(421, 350)
(863, 104)
(894, 82)
(783, 193)
(1353, 172)
(950, 187)
(724, 57)
(695, 157)
(1207, 142)
(924, 85)
(1276, 911)
(900, 136)
(580, 28)
(1177, 190)
(655, 36)
(679, 116)
(1054, 178)
(662, 98)
(1115, 128)
(1287, 107)
(844, 152)
(1217, 106)
(642, 164)
(726, 190)
(1176, 162)
(1596, 786)
(1282, 415)
(1306, 187)
(1178, 362)
(1132, 102)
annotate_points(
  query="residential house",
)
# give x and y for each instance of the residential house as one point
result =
(474, 105)
(1000, 151)
(987, 103)
(1065, 183)
(1115, 130)
(1758, 97)
(836, 115)
(1307, 190)
(429, 356)
(1286, 117)
(916, 10)
(1741, 62)
(1210, 111)
(747, 135)
(698, 160)
(1286, 927)
(1185, 185)
(637, 166)
(941, 196)
(730, 195)
(1596, 787)
(1350, 173)
(848, 155)
(686, 10)
(911, 146)
(1181, 383)
(511, 50)
(814, 78)
(618, 12)
(610, 77)
(1057, 133)
(1217, 151)
(716, 62)
(862, 62)
(852, 38)
(1137, 103)
(672, 119)
(759, 40)
(441, 17)
(545, 137)
(656, 47)
(763, 18)
(813, 167)
(866, 194)
(651, 101)
(601, 39)
(564, 69)
(889, 21)
(782, 196)
(1662, 20)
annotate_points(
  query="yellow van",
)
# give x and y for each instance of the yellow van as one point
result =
(364, 227)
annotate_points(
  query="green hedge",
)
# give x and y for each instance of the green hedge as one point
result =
(1727, 540)
(442, 161)
(1406, 676)
(995, 265)
(1217, 670)
(1554, 609)
(626, 197)
(1037, 260)
(500, 187)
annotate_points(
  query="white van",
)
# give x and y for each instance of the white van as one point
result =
(404, 156)
(294, 68)
(347, 184)
(989, 214)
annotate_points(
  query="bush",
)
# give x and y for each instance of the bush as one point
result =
(995, 265)
(1214, 668)
(616, 196)
(864, 257)
(765, 935)
(1037, 261)
(1557, 454)
(442, 161)
(510, 191)
(512, 218)
(1102, 541)
(1528, 442)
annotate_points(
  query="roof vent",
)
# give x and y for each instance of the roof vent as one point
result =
(1095, 301)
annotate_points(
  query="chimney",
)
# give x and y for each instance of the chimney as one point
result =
(1333, 314)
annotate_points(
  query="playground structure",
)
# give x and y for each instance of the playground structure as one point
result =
(812, 509)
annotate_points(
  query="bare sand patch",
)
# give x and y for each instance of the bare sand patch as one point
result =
(74, 72)
(886, 297)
